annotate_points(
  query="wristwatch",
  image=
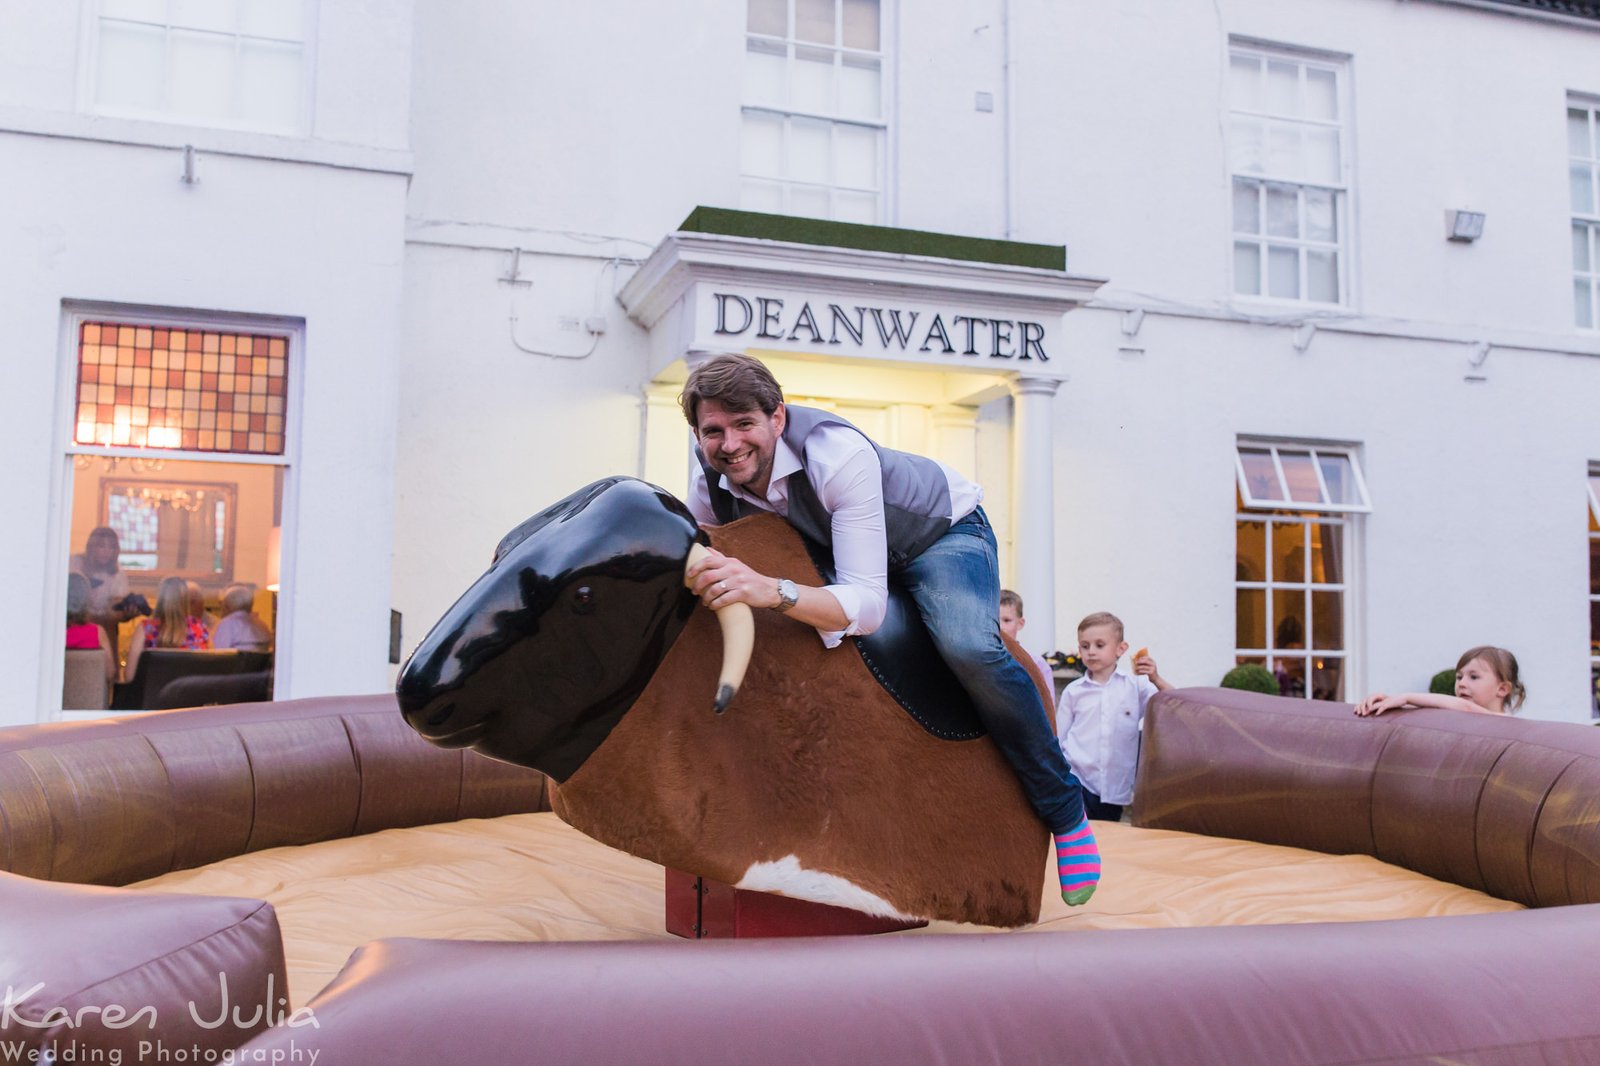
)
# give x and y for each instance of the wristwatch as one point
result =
(788, 595)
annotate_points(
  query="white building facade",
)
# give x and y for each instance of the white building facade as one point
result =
(1310, 287)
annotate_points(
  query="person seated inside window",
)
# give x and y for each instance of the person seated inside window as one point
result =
(240, 628)
(83, 634)
(171, 626)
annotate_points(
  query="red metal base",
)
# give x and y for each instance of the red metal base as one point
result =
(698, 907)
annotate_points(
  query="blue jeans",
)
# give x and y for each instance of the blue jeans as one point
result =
(956, 586)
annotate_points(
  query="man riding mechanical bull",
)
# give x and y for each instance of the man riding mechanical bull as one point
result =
(885, 516)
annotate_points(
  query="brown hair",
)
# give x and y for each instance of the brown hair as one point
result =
(105, 533)
(1504, 665)
(737, 382)
(77, 598)
(1012, 600)
(1102, 618)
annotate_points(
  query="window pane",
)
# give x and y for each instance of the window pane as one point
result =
(1283, 273)
(761, 145)
(218, 15)
(1284, 157)
(269, 83)
(812, 86)
(813, 21)
(1250, 618)
(272, 18)
(1250, 562)
(861, 25)
(1339, 476)
(860, 87)
(763, 73)
(146, 10)
(1578, 133)
(808, 201)
(856, 156)
(757, 195)
(1321, 221)
(809, 150)
(1327, 553)
(1580, 246)
(1244, 82)
(1322, 94)
(1582, 189)
(1327, 620)
(1301, 475)
(1283, 211)
(768, 16)
(1283, 88)
(1246, 206)
(131, 66)
(202, 74)
(1289, 552)
(1288, 618)
(1322, 276)
(1583, 303)
(1245, 146)
(1247, 269)
(1291, 676)
(1322, 155)
(851, 206)
(1327, 679)
(1260, 476)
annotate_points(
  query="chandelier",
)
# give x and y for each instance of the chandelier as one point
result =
(177, 499)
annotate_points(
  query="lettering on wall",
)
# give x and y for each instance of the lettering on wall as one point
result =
(891, 328)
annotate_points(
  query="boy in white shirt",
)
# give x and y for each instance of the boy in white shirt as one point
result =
(1099, 715)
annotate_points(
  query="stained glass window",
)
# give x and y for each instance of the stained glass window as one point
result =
(195, 390)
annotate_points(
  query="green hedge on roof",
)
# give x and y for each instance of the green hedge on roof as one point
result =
(730, 223)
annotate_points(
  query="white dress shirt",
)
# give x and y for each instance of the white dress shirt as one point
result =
(845, 473)
(1099, 730)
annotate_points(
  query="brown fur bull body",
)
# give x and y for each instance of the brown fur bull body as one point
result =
(814, 768)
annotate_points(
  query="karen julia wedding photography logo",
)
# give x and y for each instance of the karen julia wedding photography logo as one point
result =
(18, 1016)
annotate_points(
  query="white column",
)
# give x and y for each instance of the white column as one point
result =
(1034, 540)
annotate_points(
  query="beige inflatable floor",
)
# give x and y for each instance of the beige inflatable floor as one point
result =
(532, 877)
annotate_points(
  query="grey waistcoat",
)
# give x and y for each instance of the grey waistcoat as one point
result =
(916, 496)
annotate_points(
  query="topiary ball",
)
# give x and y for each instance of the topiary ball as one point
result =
(1444, 683)
(1251, 677)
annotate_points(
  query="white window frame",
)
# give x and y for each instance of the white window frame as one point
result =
(75, 314)
(1314, 452)
(787, 114)
(88, 75)
(1585, 223)
(1339, 190)
(1349, 520)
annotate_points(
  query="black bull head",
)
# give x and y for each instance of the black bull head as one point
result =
(541, 657)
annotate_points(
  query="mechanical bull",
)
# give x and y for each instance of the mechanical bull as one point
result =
(835, 776)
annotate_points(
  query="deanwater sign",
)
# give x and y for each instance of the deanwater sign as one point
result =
(875, 327)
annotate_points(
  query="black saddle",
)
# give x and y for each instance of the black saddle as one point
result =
(902, 658)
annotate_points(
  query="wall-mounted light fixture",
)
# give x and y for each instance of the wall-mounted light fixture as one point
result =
(1463, 226)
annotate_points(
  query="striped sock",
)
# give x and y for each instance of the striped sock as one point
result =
(1078, 863)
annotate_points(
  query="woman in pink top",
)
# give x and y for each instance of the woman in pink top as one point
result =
(83, 634)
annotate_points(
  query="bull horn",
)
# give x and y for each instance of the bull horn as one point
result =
(738, 639)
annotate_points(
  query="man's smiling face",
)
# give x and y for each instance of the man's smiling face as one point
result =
(739, 445)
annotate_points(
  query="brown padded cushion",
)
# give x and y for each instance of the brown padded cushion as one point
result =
(84, 951)
(122, 799)
(1507, 806)
(1492, 989)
